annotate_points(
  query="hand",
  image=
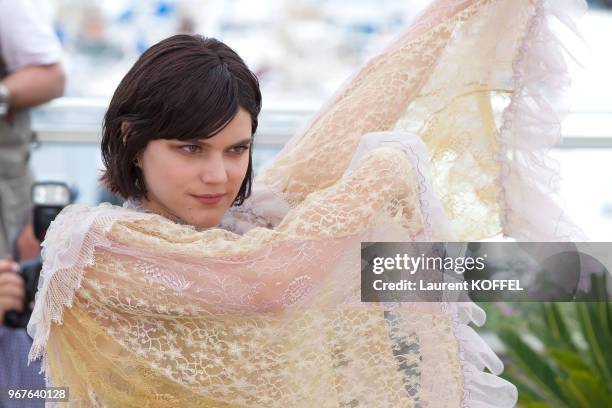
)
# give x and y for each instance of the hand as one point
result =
(410, 143)
(12, 288)
(28, 246)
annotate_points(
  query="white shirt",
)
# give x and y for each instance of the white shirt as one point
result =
(26, 36)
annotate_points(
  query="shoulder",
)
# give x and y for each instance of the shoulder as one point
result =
(77, 229)
(26, 35)
(80, 212)
(78, 219)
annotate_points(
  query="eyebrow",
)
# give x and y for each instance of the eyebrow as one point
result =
(202, 143)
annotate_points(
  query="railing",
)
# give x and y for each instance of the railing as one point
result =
(69, 134)
(79, 120)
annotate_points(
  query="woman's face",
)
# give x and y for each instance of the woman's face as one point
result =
(197, 181)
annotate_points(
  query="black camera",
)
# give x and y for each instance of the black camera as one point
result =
(48, 199)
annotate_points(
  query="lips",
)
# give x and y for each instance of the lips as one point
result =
(209, 198)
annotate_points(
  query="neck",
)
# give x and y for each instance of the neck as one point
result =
(151, 206)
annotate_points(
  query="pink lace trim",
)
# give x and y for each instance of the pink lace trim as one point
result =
(532, 125)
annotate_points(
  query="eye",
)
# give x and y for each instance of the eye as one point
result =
(239, 149)
(190, 148)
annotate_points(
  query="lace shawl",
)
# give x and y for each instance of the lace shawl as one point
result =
(442, 136)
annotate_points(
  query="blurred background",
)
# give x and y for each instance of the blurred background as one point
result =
(284, 42)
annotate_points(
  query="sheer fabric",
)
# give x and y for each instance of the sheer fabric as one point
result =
(440, 137)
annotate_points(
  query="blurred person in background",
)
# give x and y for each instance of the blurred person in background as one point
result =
(15, 342)
(30, 75)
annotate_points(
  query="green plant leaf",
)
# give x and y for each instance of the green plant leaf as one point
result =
(556, 326)
(568, 360)
(586, 390)
(537, 405)
(595, 330)
(535, 367)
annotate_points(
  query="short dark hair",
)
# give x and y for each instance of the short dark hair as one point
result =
(185, 87)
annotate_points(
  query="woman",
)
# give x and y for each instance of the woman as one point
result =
(440, 137)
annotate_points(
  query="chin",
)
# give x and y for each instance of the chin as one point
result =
(206, 221)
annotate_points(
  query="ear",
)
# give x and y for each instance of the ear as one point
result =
(137, 159)
(125, 128)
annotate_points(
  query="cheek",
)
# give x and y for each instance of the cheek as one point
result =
(164, 173)
(238, 172)
(177, 173)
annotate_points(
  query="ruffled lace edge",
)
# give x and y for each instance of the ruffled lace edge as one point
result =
(531, 125)
(480, 388)
(61, 276)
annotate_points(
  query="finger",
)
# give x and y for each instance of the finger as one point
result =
(7, 304)
(12, 298)
(13, 290)
(7, 265)
(11, 279)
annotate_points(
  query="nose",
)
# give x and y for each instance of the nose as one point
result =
(213, 169)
